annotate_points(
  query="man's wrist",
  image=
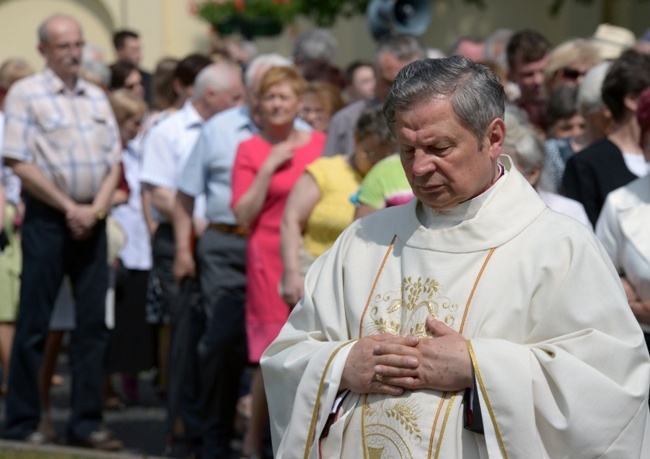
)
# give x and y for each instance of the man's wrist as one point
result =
(99, 213)
(182, 250)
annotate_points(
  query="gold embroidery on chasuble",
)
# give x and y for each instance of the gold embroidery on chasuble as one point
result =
(404, 312)
(409, 426)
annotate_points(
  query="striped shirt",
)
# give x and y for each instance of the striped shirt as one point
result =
(70, 135)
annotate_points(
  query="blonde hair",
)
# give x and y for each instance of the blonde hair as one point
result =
(327, 94)
(276, 75)
(126, 105)
(571, 52)
(12, 70)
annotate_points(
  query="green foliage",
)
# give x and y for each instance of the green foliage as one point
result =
(323, 12)
(220, 11)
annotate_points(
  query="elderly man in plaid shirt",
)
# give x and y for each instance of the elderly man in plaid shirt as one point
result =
(61, 139)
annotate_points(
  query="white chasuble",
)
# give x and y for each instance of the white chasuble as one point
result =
(533, 293)
(409, 288)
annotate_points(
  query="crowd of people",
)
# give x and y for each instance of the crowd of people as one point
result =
(173, 220)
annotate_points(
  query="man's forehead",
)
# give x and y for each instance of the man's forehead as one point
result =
(132, 42)
(388, 62)
(62, 26)
(423, 119)
(521, 64)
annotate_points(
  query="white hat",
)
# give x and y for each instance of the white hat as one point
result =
(612, 40)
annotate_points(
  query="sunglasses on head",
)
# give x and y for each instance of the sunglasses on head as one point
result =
(571, 74)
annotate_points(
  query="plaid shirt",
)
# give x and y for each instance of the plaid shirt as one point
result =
(71, 136)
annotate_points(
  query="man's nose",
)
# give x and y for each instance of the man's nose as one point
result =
(423, 163)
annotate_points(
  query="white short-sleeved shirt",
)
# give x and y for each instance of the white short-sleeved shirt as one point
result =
(166, 149)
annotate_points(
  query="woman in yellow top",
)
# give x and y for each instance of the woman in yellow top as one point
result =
(319, 207)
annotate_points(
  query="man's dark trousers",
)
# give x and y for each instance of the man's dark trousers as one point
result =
(49, 252)
(221, 349)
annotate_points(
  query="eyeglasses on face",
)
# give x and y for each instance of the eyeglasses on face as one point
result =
(571, 74)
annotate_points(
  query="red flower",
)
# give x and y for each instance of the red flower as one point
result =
(240, 5)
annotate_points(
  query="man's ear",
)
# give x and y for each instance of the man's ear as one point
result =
(41, 49)
(631, 102)
(496, 134)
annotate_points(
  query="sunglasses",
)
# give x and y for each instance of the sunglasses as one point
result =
(571, 74)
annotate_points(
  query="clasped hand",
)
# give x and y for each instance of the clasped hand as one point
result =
(80, 220)
(279, 155)
(389, 364)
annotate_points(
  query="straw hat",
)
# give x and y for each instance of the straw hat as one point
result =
(612, 40)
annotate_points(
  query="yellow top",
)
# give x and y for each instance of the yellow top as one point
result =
(337, 181)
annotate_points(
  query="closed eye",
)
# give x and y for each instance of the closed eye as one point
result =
(439, 150)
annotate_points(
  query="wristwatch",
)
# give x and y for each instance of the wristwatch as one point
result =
(100, 214)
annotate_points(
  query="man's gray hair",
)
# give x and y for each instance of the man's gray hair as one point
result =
(495, 47)
(216, 77)
(524, 142)
(474, 91)
(402, 47)
(264, 61)
(316, 44)
(590, 90)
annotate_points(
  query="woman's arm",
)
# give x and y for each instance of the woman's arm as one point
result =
(248, 207)
(302, 199)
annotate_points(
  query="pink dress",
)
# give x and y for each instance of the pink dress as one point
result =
(266, 311)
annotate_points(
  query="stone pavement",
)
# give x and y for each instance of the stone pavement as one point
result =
(141, 427)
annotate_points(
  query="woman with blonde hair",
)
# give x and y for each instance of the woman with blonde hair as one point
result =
(130, 349)
(568, 63)
(266, 168)
(319, 103)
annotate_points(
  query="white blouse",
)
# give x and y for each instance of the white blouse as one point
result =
(624, 229)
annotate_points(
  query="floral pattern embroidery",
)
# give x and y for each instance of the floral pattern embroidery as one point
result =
(403, 312)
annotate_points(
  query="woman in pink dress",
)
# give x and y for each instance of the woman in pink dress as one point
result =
(266, 168)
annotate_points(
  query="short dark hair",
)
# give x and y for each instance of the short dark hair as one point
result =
(321, 70)
(643, 110)
(562, 103)
(528, 44)
(353, 67)
(189, 67)
(373, 122)
(120, 71)
(164, 95)
(120, 37)
(402, 47)
(628, 75)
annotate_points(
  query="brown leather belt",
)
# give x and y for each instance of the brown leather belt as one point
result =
(241, 231)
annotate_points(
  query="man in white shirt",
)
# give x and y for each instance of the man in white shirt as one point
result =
(166, 148)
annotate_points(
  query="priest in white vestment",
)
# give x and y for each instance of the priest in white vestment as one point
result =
(473, 322)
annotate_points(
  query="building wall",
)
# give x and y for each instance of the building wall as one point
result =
(167, 27)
